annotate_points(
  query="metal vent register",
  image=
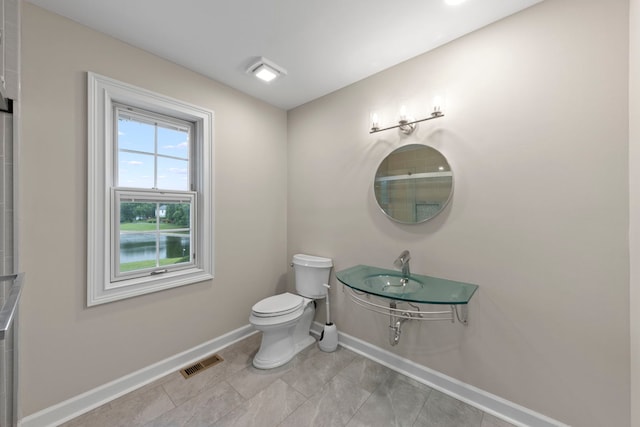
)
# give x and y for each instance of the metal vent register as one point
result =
(201, 366)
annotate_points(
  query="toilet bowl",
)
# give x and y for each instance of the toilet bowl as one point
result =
(285, 319)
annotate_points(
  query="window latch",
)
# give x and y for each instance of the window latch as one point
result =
(153, 273)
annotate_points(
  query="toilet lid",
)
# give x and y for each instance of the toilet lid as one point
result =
(277, 305)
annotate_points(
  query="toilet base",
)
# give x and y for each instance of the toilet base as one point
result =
(264, 360)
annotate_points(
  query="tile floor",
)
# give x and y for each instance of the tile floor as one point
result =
(314, 389)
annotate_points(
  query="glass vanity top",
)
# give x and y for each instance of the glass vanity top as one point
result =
(418, 289)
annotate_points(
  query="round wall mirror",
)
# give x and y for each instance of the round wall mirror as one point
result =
(413, 184)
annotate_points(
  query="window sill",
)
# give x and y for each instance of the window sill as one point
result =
(143, 285)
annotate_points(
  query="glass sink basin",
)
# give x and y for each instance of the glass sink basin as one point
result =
(419, 288)
(392, 284)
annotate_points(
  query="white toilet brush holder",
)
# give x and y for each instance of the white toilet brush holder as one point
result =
(328, 341)
(328, 338)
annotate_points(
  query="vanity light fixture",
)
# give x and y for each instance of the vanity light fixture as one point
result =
(266, 70)
(405, 125)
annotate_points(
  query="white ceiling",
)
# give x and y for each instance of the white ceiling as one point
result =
(323, 45)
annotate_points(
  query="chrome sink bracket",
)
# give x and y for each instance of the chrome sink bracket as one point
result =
(397, 316)
(395, 323)
(462, 313)
(363, 299)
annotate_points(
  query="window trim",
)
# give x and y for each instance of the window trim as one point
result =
(103, 92)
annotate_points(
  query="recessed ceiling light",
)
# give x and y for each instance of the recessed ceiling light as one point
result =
(266, 70)
(265, 73)
(454, 2)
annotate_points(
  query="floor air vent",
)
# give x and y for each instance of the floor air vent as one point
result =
(201, 366)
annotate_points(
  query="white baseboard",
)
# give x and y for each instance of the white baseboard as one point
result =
(485, 401)
(85, 402)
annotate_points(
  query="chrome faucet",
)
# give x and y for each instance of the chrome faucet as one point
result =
(402, 262)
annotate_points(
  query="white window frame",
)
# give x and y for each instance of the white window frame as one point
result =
(103, 92)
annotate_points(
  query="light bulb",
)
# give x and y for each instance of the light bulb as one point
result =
(437, 105)
(374, 122)
(403, 113)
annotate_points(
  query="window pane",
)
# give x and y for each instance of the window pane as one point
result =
(137, 251)
(135, 170)
(153, 234)
(174, 248)
(173, 174)
(137, 136)
(138, 248)
(137, 216)
(173, 142)
(178, 215)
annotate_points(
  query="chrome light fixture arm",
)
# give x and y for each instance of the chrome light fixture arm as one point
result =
(407, 127)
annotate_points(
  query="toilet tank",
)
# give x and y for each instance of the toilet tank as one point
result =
(312, 273)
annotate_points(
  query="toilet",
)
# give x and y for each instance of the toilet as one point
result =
(285, 319)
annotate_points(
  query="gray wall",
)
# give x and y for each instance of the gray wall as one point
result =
(536, 132)
(72, 349)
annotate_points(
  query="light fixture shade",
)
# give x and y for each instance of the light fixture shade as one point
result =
(265, 73)
(266, 70)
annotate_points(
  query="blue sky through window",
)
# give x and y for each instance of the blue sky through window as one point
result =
(144, 162)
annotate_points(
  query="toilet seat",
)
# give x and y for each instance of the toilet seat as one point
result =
(278, 305)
